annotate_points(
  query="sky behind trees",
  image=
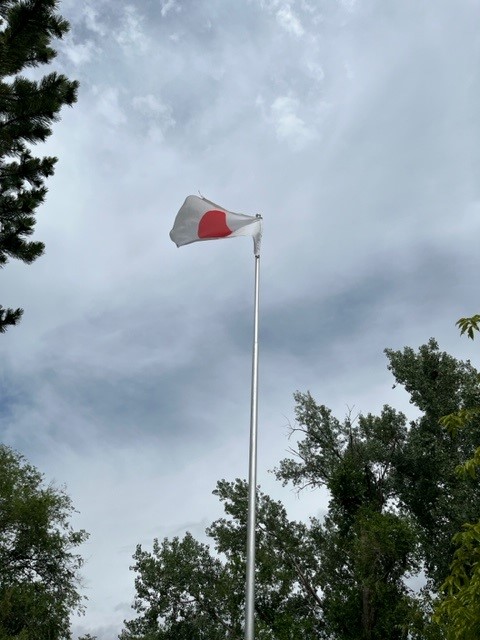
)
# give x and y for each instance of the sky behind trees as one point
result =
(352, 127)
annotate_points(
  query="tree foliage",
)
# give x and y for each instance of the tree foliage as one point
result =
(186, 591)
(27, 110)
(367, 546)
(39, 568)
(396, 500)
(469, 325)
(426, 479)
(458, 611)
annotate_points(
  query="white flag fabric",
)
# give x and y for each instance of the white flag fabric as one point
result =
(199, 219)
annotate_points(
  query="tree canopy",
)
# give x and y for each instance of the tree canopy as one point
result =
(458, 609)
(39, 568)
(395, 503)
(28, 109)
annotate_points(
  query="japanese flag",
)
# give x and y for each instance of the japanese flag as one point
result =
(200, 219)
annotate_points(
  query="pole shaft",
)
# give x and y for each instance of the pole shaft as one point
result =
(252, 474)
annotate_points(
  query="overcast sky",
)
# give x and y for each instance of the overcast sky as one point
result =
(352, 126)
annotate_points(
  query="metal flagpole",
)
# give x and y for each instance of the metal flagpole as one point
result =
(252, 474)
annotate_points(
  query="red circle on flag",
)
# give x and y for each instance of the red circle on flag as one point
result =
(213, 224)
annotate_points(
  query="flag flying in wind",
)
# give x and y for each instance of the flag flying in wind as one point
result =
(200, 219)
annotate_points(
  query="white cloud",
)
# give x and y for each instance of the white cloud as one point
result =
(288, 125)
(93, 21)
(289, 21)
(286, 18)
(79, 53)
(168, 5)
(271, 5)
(159, 115)
(348, 5)
(108, 105)
(308, 7)
(315, 70)
(132, 36)
(120, 327)
(149, 104)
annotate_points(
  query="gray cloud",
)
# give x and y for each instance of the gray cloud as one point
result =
(352, 127)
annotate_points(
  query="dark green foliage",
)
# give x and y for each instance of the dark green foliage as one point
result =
(425, 478)
(362, 577)
(27, 110)
(469, 325)
(366, 547)
(38, 566)
(9, 317)
(287, 601)
(395, 502)
(185, 592)
(458, 609)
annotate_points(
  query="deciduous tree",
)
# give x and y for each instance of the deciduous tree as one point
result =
(395, 503)
(39, 568)
(186, 591)
(458, 610)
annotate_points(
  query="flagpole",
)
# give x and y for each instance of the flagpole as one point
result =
(252, 474)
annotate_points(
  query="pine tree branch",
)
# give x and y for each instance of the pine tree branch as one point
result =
(9, 318)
